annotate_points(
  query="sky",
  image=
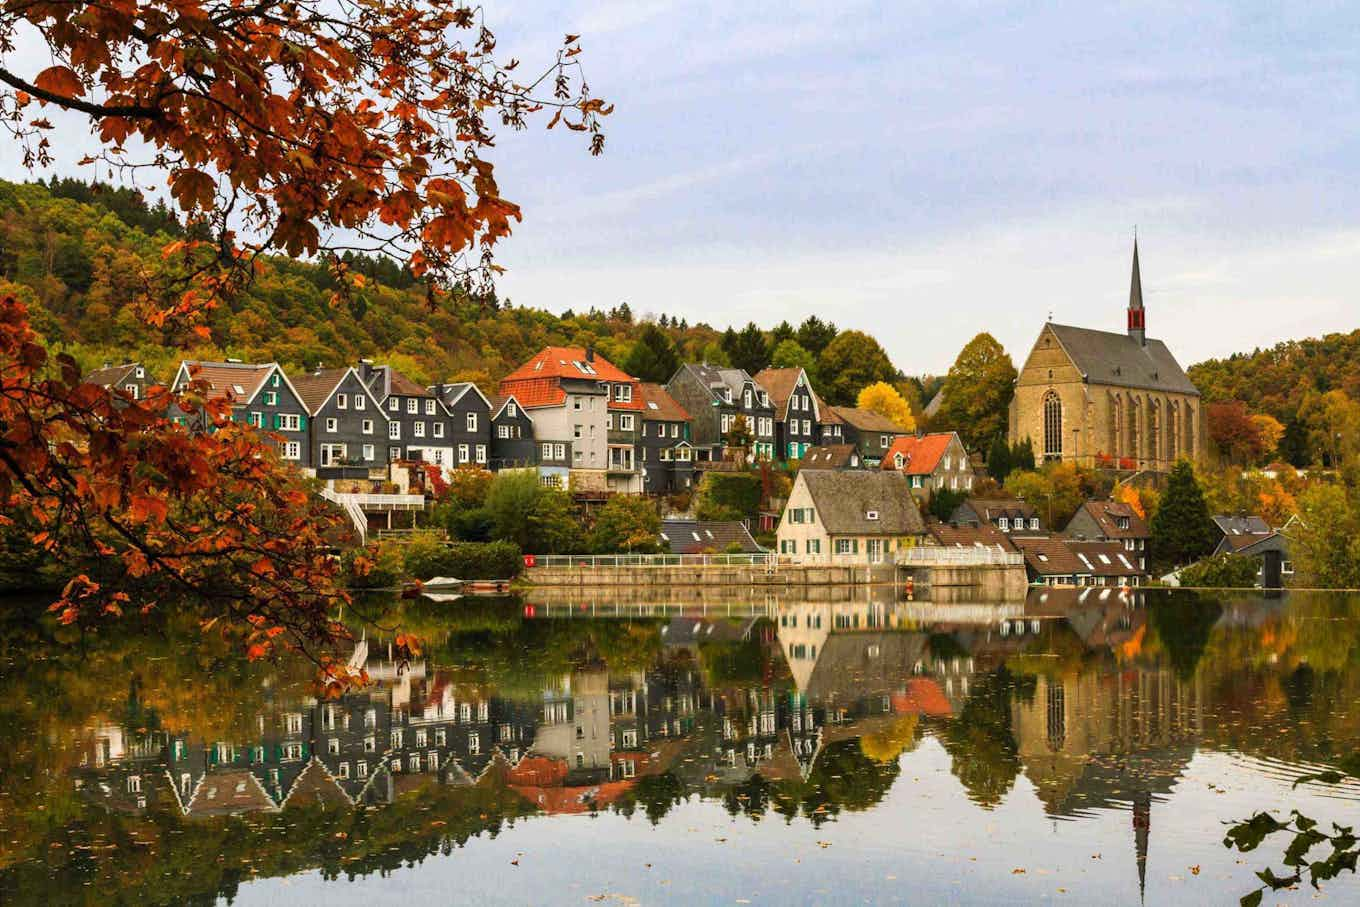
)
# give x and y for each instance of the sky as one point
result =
(927, 171)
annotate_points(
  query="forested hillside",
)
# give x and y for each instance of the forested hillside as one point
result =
(1310, 387)
(75, 253)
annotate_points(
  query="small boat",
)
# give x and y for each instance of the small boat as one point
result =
(443, 582)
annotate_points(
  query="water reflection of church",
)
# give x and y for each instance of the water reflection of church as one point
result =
(1089, 723)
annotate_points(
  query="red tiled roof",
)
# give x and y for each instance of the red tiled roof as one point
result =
(921, 454)
(537, 382)
(403, 385)
(558, 362)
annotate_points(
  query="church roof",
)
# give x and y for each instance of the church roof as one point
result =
(1104, 357)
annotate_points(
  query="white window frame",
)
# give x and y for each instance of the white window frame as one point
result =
(367, 426)
(342, 401)
(360, 401)
(292, 450)
(471, 421)
(418, 430)
(463, 453)
(394, 430)
(438, 429)
(290, 422)
(332, 425)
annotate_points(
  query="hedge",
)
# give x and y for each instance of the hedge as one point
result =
(466, 560)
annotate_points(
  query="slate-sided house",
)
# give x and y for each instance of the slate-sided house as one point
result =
(1112, 521)
(931, 462)
(347, 425)
(512, 435)
(1252, 536)
(418, 425)
(714, 397)
(470, 421)
(131, 378)
(1011, 515)
(260, 395)
(848, 517)
(871, 433)
(579, 402)
(664, 448)
(797, 410)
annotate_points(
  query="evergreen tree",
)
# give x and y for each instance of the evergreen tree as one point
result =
(1022, 456)
(746, 348)
(999, 459)
(815, 335)
(781, 332)
(1181, 529)
(653, 357)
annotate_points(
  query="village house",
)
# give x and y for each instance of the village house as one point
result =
(797, 410)
(1112, 521)
(832, 456)
(1104, 399)
(131, 378)
(931, 463)
(871, 433)
(260, 394)
(347, 427)
(418, 425)
(1252, 536)
(848, 517)
(1059, 561)
(664, 448)
(570, 392)
(469, 422)
(714, 397)
(1010, 515)
(512, 436)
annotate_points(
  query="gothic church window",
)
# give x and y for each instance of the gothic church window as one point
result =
(1052, 426)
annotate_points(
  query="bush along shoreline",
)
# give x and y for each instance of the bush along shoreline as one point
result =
(425, 555)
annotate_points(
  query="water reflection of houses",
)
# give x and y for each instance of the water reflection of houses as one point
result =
(727, 698)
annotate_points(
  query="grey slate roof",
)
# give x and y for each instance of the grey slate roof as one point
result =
(715, 377)
(713, 535)
(866, 420)
(1104, 357)
(843, 498)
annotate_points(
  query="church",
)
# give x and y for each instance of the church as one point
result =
(1113, 401)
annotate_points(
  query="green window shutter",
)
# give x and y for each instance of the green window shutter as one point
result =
(302, 423)
(276, 420)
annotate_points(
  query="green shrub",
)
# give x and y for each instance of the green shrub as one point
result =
(729, 496)
(423, 555)
(388, 566)
(466, 560)
(1222, 571)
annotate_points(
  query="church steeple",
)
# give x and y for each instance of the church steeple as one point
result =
(1136, 325)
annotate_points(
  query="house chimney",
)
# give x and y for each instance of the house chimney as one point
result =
(590, 353)
(365, 370)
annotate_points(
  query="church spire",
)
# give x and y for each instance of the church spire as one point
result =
(1136, 324)
(1142, 832)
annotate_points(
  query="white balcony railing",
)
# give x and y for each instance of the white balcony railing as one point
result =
(945, 556)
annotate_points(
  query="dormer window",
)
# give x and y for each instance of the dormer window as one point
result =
(1034, 523)
(871, 515)
(746, 399)
(623, 393)
(899, 461)
(1003, 524)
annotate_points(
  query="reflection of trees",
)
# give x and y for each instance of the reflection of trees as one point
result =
(1183, 624)
(979, 739)
(657, 794)
(844, 778)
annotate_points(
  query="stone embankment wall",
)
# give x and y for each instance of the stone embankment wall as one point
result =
(985, 582)
(712, 575)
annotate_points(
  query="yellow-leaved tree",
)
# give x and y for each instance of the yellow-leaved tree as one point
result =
(884, 399)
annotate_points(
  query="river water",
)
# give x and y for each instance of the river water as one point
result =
(570, 748)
